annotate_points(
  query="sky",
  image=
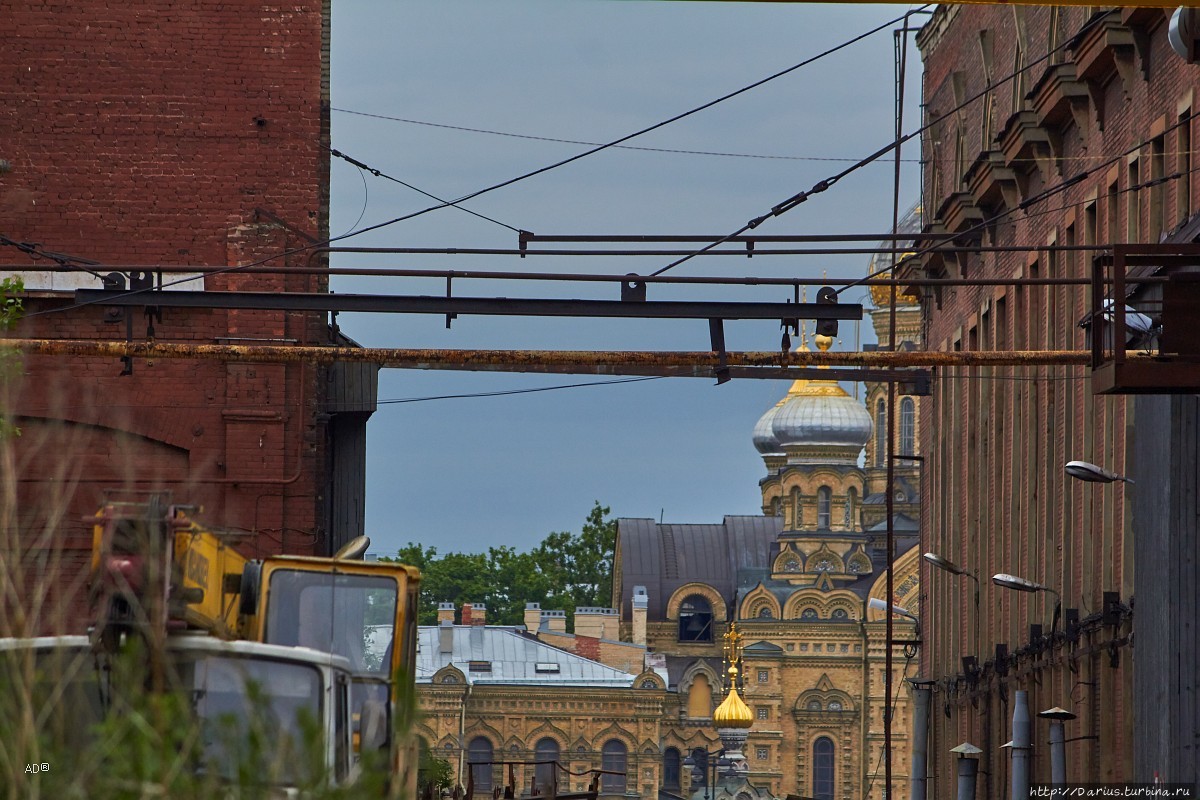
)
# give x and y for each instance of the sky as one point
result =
(468, 473)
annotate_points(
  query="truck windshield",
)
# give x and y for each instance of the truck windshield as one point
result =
(350, 615)
(257, 716)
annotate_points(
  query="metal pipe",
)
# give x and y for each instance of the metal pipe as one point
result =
(967, 770)
(918, 772)
(1058, 753)
(1022, 743)
(769, 364)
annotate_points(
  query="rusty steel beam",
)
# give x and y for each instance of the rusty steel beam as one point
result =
(669, 363)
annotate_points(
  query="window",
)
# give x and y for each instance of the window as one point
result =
(763, 753)
(823, 768)
(851, 501)
(765, 613)
(762, 712)
(671, 768)
(808, 613)
(797, 509)
(908, 427)
(880, 434)
(695, 620)
(764, 676)
(792, 565)
(479, 756)
(835, 705)
(699, 703)
(813, 705)
(546, 749)
(839, 613)
(1158, 169)
(1133, 207)
(612, 758)
(824, 499)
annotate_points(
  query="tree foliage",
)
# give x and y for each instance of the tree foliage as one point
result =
(564, 571)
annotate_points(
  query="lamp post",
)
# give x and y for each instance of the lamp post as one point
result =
(711, 759)
(946, 565)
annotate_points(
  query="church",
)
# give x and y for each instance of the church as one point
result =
(797, 581)
(637, 689)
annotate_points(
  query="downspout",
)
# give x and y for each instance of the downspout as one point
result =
(864, 711)
(462, 732)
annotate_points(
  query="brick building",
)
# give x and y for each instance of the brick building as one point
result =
(146, 135)
(1090, 145)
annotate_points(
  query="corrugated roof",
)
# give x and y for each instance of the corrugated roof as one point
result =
(510, 658)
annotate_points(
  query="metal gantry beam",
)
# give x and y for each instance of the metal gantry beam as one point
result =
(502, 306)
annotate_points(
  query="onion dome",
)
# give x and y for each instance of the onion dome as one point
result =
(819, 421)
(882, 262)
(733, 712)
(763, 436)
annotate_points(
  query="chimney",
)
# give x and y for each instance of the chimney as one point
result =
(478, 614)
(598, 623)
(555, 621)
(445, 613)
(641, 606)
(446, 636)
(533, 617)
(466, 614)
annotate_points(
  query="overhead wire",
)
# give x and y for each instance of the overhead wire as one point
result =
(517, 179)
(824, 184)
(673, 150)
(1045, 194)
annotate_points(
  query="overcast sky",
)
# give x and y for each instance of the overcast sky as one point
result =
(464, 474)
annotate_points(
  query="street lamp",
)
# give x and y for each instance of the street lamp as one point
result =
(712, 758)
(883, 605)
(946, 565)
(1025, 585)
(1091, 473)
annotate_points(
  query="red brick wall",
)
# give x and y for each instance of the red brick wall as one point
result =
(149, 133)
(997, 499)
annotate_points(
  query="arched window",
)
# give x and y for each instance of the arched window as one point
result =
(765, 613)
(546, 749)
(699, 703)
(824, 500)
(851, 501)
(880, 434)
(839, 613)
(695, 619)
(908, 427)
(670, 778)
(478, 752)
(612, 759)
(823, 769)
(808, 613)
(797, 509)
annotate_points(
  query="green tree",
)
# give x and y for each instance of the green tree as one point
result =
(564, 571)
(11, 310)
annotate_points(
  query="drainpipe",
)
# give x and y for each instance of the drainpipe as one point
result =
(922, 693)
(462, 733)
(1021, 745)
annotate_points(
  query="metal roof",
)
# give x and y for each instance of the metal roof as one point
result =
(664, 557)
(497, 655)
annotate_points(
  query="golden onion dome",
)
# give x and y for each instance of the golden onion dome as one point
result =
(733, 712)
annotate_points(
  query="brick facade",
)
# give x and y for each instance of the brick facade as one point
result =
(145, 134)
(1088, 147)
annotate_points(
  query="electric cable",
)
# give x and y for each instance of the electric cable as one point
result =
(524, 176)
(366, 199)
(825, 184)
(1045, 194)
(595, 144)
(36, 252)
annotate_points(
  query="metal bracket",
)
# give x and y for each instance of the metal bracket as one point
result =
(716, 335)
(633, 290)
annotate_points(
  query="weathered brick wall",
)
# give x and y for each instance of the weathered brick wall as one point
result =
(1100, 118)
(143, 134)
